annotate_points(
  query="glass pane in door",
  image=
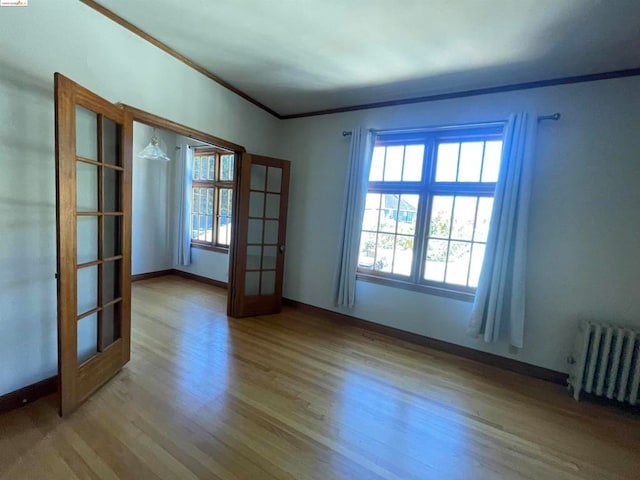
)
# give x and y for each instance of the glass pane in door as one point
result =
(110, 324)
(87, 337)
(111, 243)
(274, 180)
(111, 190)
(86, 133)
(87, 187)
(263, 230)
(111, 137)
(87, 289)
(110, 281)
(87, 233)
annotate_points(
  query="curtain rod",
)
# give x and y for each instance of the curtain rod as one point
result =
(553, 116)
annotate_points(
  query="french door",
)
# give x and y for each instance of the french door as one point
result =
(93, 207)
(257, 260)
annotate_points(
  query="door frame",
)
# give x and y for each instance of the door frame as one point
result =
(157, 121)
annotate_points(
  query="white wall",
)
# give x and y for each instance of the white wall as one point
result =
(152, 231)
(69, 37)
(584, 223)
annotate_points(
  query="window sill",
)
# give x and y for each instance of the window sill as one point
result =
(428, 289)
(211, 248)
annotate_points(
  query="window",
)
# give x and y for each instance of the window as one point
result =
(428, 209)
(212, 195)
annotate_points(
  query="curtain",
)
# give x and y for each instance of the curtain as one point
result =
(182, 251)
(500, 295)
(356, 187)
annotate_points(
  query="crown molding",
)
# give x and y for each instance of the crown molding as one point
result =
(631, 72)
(167, 49)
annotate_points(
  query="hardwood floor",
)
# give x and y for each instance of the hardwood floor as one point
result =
(293, 396)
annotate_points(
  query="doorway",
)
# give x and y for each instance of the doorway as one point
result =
(159, 210)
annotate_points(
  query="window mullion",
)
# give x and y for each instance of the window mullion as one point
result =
(419, 250)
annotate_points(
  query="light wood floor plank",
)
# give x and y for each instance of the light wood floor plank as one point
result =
(294, 396)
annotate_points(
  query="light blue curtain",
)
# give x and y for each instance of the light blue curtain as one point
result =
(182, 251)
(360, 154)
(500, 295)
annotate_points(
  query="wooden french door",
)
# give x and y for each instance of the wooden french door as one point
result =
(257, 260)
(93, 190)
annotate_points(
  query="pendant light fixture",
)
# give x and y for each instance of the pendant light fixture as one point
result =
(153, 150)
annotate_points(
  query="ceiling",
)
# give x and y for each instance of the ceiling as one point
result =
(298, 56)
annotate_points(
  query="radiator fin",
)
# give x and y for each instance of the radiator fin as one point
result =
(606, 361)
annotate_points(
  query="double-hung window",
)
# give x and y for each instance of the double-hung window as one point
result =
(428, 209)
(212, 198)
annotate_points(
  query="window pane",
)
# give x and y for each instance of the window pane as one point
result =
(413, 163)
(470, 161)
(477, 255)
(226, 197)
(212, 168)
(384, 253)
(195, 174)
(407, 214)
(194, 226)
(491, 167)
(203, 201)
(485, 207)
(209, 228)
(441, 217)
(388, 213)
(370, 218)
(464, 214)
(210, 199)
(436, 260)
(224, 230)
(367, 250)
(458, 263)
(226, 167)
(393, 164)
(404, 255)
(196, 200)
(447, 162)
(377, 164)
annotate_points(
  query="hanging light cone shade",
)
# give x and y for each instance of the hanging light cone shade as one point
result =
(153, 151)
